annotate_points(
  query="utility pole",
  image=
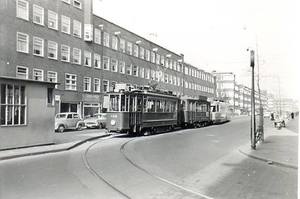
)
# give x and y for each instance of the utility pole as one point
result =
(252, 129)
(261, 110)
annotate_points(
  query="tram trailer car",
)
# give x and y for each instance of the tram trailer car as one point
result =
(220, 112)
(194, 112)
(141, 111)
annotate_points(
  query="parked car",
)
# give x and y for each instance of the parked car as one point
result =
(97, 120)
(267, 114)
(68, 120)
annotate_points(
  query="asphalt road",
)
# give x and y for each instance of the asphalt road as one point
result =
(193, 163)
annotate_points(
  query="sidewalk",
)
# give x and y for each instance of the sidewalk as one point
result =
(280, 147)
(62, 142)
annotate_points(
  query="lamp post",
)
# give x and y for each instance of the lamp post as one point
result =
(252, 129)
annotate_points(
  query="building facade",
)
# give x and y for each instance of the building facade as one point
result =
(62, 41)
(238, 95)
(26, 111)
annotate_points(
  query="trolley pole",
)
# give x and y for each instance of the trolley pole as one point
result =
(252, 130)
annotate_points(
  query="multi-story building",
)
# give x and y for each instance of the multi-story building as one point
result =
(238, 95)
(63, 41)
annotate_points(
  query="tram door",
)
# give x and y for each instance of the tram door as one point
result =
(135, 117)
(192, 113)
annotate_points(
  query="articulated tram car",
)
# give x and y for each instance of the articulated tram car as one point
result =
(194, 112)
(141, 111)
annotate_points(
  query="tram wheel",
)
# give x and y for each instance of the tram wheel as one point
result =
(147, 132)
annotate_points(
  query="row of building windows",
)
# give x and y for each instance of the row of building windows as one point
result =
(116, 43)
(71, 81)
(108, 63)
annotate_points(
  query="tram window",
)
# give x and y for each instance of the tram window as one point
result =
(191, 106)
(183, 105)
(213, 108)
(168, 107)
(150, 105)
(160, 106)
(145, 107)
(132, 104)
(139, 103)
(204, 108)
(123, 104)
(114, 102)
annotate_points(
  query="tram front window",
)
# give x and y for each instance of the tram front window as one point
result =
(114, 103)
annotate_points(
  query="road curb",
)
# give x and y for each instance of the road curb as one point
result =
(46, 151)
(271, 162)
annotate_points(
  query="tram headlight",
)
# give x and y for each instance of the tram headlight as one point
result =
(113, 122)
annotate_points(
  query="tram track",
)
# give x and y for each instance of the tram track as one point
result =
(122, 151)
(92, 171)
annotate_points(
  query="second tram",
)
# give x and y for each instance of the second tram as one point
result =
(220, 112)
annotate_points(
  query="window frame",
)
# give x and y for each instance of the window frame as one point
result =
(22, 75)
(79, 6)
(63, 52)
(105, 84)
(38, 74)
(77, 29)
(122, 66)
(38, 44)
(77, 54)
(97, 36)
(122, 45)
(25, 14)
(97, 57)
(15, 101)
(97, 81)
(106, 39)
(129, 48)
(87, 84)
(52, 18)
(38, 12)
(65, 23)
(21, 42)
(87, 58)
(114, 65)
(72, 84)
(52, 47)
(105, 60)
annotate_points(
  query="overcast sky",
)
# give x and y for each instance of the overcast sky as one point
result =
(215, 35)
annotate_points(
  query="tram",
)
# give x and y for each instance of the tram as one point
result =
(141, 110)
(194, 112)
(220, 112)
